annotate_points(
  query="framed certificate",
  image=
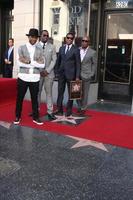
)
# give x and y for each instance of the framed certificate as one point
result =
(75, 90)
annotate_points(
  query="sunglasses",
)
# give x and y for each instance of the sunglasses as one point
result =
(45, 35)
(85, 41)
(71, 38)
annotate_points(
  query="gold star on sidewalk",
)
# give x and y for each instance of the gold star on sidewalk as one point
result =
(5, 124)
(63, 118)
(84, 142)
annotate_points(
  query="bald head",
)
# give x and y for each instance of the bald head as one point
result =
(85, 42)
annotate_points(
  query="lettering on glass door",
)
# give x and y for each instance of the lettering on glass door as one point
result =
(122, 4)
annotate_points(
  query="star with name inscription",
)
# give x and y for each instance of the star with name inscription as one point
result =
(71, 119)
(5, 124)
(85, 142)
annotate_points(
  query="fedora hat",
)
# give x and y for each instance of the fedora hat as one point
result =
(33, 32)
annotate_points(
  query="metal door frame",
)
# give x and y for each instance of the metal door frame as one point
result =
(105, 52)
(103, 43)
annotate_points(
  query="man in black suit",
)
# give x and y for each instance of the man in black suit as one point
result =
(8, 59)
(68, 69)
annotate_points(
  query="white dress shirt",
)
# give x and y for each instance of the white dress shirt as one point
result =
(83, 53)
(9, 51)
(67, 47)
(42, 44)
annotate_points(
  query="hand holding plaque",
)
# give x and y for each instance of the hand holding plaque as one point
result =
(75, 90)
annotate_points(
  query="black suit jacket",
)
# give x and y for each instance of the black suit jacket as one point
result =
(69, 64)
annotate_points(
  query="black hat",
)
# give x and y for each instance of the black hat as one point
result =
(33, 32)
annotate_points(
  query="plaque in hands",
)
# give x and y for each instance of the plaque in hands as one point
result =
(75, 90)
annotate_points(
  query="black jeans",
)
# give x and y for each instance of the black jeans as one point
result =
(22, 87)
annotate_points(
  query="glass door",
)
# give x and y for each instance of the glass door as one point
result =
(117, 54)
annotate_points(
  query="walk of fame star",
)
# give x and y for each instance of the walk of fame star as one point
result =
(71, 120)
(5, 124)
(84, 142)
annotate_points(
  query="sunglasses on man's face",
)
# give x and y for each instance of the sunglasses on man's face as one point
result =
(45, 35)
(69, 38)
(85, 41)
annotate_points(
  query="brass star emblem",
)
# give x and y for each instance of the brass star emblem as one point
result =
(84, 142)
(71, 119)
(5, 124)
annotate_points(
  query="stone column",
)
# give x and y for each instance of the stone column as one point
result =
(26, 16)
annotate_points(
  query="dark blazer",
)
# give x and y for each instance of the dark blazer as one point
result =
(68, 65)
(10, 57)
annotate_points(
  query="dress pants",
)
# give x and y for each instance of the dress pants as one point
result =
(22, 87)
(8, 71)
(83, 103)
(62, 81)
(47, 82)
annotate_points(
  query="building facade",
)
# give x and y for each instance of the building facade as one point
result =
(109, 23)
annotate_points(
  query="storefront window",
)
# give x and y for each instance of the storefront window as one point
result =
(119, 48)
(119, 4)
(78, 17)
(70, 16)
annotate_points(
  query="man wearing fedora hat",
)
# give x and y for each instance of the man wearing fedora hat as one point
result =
(30, 60)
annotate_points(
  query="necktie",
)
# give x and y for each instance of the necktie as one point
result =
(67, 49)
(44, 46)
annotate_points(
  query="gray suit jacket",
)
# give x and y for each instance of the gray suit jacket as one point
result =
(89, 64)
(24, 54)
(50, 58)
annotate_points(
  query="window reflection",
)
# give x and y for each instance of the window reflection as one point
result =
(118, 61)
(78, 17)
(119, 24)
(118, 48)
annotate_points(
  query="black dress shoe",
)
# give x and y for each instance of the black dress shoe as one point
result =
(82, 112)
(78, 110)
(51, 116)
(58, 112)
(68, 114)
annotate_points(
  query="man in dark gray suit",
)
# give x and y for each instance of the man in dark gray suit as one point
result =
(68, 69)
(88, 70)
(47, 74)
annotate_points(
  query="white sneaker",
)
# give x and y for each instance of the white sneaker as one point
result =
(17, 121)
(38, 121)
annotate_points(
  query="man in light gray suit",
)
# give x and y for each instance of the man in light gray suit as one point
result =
(47, 74)
(88, 70)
